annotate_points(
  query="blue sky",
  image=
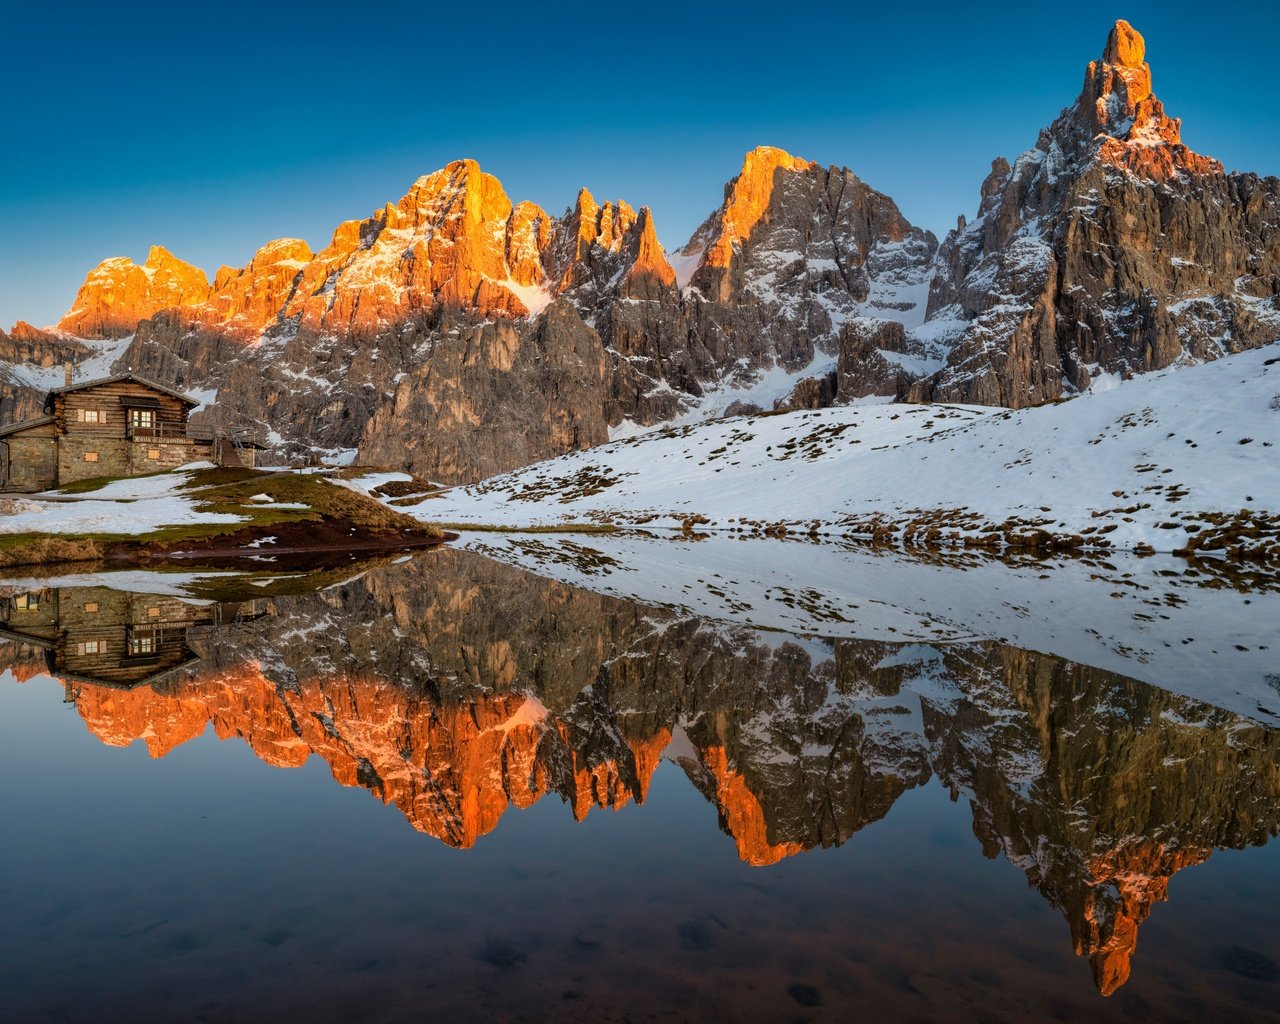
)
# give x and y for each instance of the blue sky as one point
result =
(211, 129)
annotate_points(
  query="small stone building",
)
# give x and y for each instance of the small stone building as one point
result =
(113, 427)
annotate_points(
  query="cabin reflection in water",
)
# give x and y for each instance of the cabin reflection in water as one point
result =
(104, 636)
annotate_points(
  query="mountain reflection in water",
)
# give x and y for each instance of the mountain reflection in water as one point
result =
(454, 688)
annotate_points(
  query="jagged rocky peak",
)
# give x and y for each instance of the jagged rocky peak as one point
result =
(453, 239)
(1109, 248)
(30, 334)
(586, 234)
(596, 248)
(529, 233)
(746, 201)
(1119, 120)
(445, 242)
(118, 293)
(789, 229)
(648, 272)
(247, 300)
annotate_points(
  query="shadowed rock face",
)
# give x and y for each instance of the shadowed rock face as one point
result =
(454, 687)
(1100, 788)
(1108, 248)
(36, 348)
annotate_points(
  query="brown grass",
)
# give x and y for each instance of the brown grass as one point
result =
(43, 550)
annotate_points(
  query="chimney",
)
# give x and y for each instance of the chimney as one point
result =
(69, 372)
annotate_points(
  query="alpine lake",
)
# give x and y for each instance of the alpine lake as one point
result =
(635, 779)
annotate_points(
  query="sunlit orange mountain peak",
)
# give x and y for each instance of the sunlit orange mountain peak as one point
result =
(1126, 883)
(454, 239)
(1119, 114)
(118, 293)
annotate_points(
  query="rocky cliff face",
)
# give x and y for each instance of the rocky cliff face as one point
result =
(32, 349)
(454, 334)
(491, 395)
(1108, 248)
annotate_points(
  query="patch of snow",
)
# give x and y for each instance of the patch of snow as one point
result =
(534, 297)
(685, 264)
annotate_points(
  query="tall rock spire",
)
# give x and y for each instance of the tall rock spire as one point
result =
(1107, 248)
(1119, 120)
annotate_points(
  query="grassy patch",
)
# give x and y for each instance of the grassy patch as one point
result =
(228, 490)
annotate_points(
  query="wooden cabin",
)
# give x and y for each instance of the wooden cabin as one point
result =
(114, 427)
(101, 635)
(110, 637)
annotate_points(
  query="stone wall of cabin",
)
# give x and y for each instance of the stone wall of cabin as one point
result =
(31, 462)
(84, 456)
(154, 456)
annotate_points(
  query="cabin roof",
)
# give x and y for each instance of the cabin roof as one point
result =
(188, 659)
(131, 377)
(16, 428)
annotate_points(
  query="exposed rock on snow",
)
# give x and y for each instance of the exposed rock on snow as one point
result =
(1180, 460)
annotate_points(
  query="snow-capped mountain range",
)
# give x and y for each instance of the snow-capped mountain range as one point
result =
(456, 334)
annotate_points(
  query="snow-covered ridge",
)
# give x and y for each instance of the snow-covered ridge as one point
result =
(103, 355)
(1159, 462)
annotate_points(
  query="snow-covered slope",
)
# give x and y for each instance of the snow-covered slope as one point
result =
(130, 506)
(102, 355)
(1184, 458)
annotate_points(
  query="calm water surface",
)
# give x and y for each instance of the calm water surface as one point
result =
(451, 789)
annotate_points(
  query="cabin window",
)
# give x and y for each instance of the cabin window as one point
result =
(90, 416)
(90, 456)
(153, 453)
(91, 606)
(144, 418)
(142, 645)
(153, 613)
(90, 647)
(27, 602)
